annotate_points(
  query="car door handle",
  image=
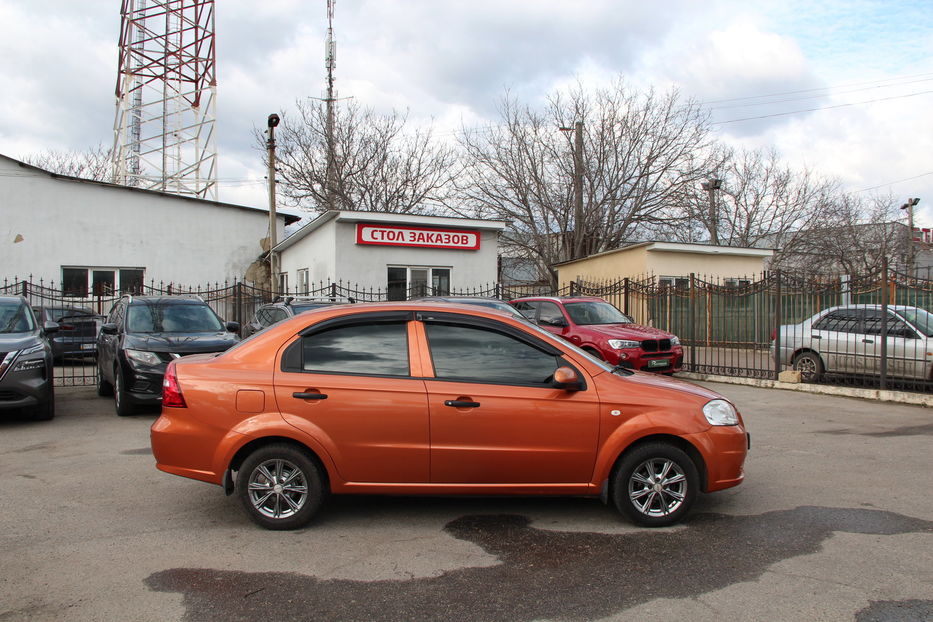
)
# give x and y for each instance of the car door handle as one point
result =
(816, 337)
(868, 341)
(461, 404)
(309, 396)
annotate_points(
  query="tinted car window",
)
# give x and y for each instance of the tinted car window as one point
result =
(477, 354)
(840, 321)
(373, 349)
(528, 309)
(172, 318)
(919, 318)
(896, 327)
(549, 313)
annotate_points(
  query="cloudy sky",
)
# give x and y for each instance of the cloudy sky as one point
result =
(842, 86)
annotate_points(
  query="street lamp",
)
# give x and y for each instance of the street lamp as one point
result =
(909, 206)
(272, 122)
(577, 129)
(711, 187)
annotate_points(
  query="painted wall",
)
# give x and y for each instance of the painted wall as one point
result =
(48, 222)
(331, 252)
(639, 262)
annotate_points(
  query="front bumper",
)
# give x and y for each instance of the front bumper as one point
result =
(25, 389)
(724, 449)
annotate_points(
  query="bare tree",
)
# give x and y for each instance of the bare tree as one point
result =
(92, 164)
(857, 234)
(639, 153)
(761, 202)
(377, 164)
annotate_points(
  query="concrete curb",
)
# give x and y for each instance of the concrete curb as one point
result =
(899, 397)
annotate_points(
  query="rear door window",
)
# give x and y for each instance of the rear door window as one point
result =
(379, 349)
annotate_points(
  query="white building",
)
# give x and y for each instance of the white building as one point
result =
(92, 237)
(394, 253)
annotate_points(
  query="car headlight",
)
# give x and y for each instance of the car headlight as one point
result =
(32, 349)
(143, 358)
(623, 344)
(675, 341)
(720, 412)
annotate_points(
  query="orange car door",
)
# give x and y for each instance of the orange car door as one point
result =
(494, 417)
(348, 384)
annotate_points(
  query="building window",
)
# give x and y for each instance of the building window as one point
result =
(102, 281)
(303, 283)
(283, 282)
(674, 282)
(405, 282)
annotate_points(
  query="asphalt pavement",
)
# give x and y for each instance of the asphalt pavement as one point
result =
(833, 522)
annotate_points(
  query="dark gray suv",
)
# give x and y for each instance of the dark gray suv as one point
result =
(25, 360)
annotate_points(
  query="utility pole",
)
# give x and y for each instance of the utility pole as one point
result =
(578, 229)
(909, 206)
(711, 186)
(273, 233)
(330, 62)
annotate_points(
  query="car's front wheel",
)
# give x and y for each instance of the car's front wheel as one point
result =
(810, 366)
(280, 487)
(46, 410)
(122, 405)
(104, 388)
(655, 484)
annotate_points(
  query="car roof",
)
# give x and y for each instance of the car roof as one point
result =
(560, 298)
(172, 300)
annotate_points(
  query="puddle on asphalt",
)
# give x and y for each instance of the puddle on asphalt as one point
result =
(925, 429)
(541, 574)
(897, 611)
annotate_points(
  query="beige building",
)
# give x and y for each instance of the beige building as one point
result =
(668, 262)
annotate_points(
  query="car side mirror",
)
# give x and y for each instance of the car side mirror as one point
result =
(232, 327)
(109, 328)
(50, 327)
(557, 322)
(566, 378)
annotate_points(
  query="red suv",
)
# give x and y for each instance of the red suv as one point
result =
(605, 332)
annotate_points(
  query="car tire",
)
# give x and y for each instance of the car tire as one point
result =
(644, 490)
(120, 403)
(810, 366)
(260, 481)
(46, 410)
(104, 388)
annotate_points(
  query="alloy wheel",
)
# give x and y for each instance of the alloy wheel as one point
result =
(657, 487)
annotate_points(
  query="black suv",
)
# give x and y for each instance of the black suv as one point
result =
(142, 334)
(285, 307)
(25, 360)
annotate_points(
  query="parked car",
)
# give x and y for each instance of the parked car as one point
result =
(142, 334)
(77, 331)
(285, 307)
(25, 360)
(847, 340)
(424, 398)
(491, 303)
(605, 332)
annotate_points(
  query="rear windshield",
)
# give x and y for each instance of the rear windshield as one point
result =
(173, 318)
(15, 317)
(593, 312)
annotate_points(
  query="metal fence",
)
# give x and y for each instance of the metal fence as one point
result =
(879, 338)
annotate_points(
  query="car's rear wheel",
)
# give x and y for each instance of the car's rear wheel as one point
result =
(104, 388)
(655, 484)
(810, 366)
(122, 405)
(280, 487)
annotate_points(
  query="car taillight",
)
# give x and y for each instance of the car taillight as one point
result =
(65, 327)
(773, 334)
(171, 392)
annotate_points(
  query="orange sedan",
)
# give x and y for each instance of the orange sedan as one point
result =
(428, 398)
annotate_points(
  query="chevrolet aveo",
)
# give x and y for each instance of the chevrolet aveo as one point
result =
(428, 398)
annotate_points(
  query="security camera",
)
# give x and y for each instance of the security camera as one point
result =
(273, 120)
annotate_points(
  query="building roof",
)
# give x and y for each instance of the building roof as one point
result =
(289, 218)
(682, 247)
(388, 218)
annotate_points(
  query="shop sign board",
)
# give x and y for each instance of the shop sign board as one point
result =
(427, 237)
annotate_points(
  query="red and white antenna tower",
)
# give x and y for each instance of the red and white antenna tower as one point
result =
(166, 89)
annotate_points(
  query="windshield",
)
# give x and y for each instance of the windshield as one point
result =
(15, 317)
(920, 318)
(172, 318)
(594, 312)
(566, 344)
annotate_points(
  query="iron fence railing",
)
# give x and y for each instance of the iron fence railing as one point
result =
(755, 326)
